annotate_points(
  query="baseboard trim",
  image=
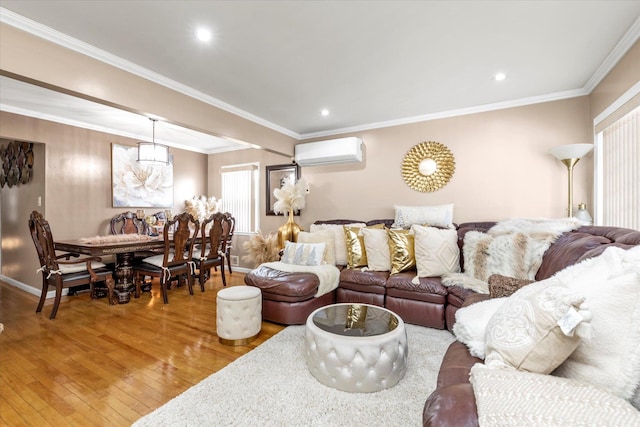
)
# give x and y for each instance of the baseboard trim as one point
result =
(27, 288)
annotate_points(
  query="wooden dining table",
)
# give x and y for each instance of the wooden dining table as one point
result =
(124, 250)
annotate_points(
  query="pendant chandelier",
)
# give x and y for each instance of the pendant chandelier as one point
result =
(152, 153)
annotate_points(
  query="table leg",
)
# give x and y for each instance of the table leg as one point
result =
(124, 277)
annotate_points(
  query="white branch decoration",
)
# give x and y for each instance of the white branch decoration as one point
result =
(291, 196)
(202, 207)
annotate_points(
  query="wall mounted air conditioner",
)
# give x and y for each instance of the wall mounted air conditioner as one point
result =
(342, 150)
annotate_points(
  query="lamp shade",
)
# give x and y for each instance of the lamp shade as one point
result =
(150, 152)
(571, 151)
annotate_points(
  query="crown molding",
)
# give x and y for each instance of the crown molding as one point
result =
(42, 31)
(452, 113)
(620, 49)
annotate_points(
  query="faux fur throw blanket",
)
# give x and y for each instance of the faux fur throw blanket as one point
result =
(512, 248)
(507, 397)
(328, 274)
(115, 238)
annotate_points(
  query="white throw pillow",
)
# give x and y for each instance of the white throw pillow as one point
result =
(339, 238)
(76, 268)
(611, 359)
(471, 324)
(321, 236)
(536, 329)
(303, 253)
(376, 244)
(436, 251)
(436, 216)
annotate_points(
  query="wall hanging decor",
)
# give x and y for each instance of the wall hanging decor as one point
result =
(276, 176)
(17, 163)
(428, 166)
(137, 184)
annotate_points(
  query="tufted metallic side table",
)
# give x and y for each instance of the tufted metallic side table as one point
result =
(357, 348)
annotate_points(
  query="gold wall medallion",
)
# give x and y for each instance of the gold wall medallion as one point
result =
(428, 166)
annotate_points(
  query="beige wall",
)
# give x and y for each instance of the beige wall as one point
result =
(77, 195)
(502, 167)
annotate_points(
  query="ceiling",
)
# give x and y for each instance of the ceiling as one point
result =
(370, 63)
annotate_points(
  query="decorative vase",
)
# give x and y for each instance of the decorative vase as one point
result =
(289, 231)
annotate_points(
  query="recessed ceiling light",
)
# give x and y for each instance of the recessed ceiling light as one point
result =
(203, 34)
(324, 112)
(499, 77)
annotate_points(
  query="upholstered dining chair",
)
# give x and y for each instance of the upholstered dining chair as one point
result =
(59, 271)
(179, 236)
(212, 244)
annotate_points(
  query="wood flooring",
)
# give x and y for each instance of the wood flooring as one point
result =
(102, 365)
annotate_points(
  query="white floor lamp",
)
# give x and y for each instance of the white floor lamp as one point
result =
(570, 154)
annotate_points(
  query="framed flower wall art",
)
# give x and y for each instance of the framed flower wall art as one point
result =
(139, 185)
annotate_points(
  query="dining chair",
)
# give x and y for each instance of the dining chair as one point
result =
(230, 225)
(59, 271)
(179, 237)
(212, 243)
(128, 223)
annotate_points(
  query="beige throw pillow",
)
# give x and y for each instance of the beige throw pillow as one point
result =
(376, 243)
(536, 329)
(436, 251)
(321, 236)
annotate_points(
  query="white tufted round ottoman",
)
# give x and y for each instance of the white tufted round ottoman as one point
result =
(239, 314)
(357, 348)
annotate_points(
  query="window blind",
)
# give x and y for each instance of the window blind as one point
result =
(239, 195)
(619, 163)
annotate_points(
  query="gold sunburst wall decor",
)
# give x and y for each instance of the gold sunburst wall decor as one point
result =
(428, 166)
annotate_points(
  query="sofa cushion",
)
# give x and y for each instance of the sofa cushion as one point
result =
(536, 328)
(503, 286)
(426, 285)
(283, 286)
(401, 250)
(321, 236)
(366, 278)
(303, 253)
(376, 243)
(339, 240)
(435, 216)
(436, 251)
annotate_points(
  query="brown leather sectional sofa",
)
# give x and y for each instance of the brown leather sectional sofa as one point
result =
(288, 299)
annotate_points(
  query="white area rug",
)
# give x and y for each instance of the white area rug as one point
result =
(272, 386)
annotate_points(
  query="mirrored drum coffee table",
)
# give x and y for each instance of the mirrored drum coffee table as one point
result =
(357, 348)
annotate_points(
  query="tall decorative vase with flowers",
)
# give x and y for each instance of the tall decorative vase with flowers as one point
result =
(290, 198)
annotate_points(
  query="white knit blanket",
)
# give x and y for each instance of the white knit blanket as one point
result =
(328, 274)
(507, 397)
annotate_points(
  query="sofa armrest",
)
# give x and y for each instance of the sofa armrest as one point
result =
(472, 299)
(454, 405)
